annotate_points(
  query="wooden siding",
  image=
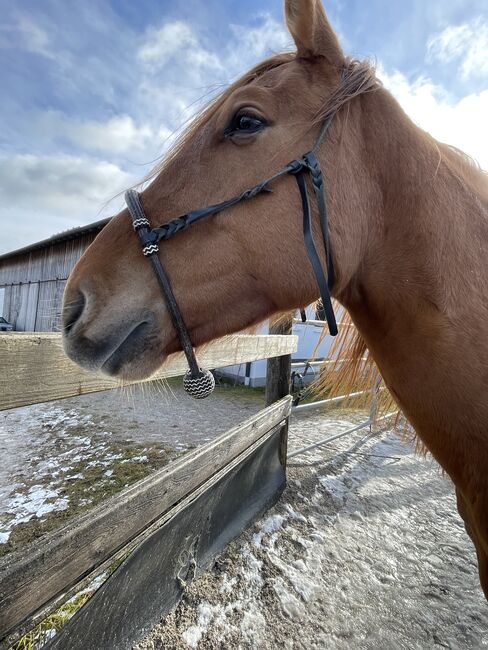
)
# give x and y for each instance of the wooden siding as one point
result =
(34, 283)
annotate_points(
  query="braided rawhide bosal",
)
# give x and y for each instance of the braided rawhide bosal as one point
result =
(201, 383)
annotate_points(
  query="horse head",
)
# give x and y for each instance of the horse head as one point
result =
(243, 265)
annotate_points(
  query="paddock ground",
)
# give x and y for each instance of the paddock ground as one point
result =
(59, 459)
(364, 551)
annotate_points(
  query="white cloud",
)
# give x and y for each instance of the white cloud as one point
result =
(180, 72)
(459, 123)
(118, 135)
(251, 44)
(27, 35)
(467, 44)
(175, 40)
(46, 194)
(173, 72)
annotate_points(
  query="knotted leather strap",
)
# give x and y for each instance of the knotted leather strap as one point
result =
(312, 249)
(149, 238)
(142, 227)
(319, 191)
(170, 228)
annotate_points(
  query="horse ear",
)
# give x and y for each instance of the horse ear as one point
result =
(311, 31)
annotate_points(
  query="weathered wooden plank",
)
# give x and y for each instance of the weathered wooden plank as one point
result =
(153, 578)
(30, 579)
(35, 368)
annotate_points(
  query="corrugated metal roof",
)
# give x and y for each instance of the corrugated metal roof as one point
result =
(73, 233)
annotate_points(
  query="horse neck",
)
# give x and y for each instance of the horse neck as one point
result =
(420, 296)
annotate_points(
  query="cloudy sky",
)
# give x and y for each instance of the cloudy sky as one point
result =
(92, 90)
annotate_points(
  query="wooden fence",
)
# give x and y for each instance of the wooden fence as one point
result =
(167, 527)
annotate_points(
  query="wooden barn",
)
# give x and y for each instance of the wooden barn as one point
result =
(32, 279)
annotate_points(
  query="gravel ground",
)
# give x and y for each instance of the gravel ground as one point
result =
(364, 550)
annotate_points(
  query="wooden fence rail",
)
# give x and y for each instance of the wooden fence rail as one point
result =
(35, 368)
(56, 562)
(248, 460)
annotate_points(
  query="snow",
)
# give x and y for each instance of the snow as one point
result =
(271, 525)
(36, 503)
(48, 444)
(290, 604)
(364, 550)
(45, 446)
(253, 628)
(137, 459)
(194, 633)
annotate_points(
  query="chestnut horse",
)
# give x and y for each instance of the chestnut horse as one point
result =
(408, 233)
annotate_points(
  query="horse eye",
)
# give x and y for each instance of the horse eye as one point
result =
(245, 124)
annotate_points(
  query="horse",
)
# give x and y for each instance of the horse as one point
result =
(408, 231)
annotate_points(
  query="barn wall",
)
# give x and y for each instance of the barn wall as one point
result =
(34, 282)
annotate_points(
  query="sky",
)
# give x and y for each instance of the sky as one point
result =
(93, 92)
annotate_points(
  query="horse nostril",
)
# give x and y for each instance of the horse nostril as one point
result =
(72, 311)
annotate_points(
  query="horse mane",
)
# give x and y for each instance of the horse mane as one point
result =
(358, 77)
(349, 368)
(466, 169)
(196, 123)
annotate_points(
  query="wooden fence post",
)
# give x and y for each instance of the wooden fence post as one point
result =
(278, 377)
(278, 371)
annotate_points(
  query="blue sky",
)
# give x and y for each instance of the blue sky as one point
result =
(92, 90)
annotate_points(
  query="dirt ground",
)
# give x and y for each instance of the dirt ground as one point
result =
(365, 550)
(59, 459)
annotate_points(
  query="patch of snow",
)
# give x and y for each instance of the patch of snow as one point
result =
(95, 584)
(254, 566)
(108, 473)
(271, 525)
(38, 502)
(137, 459)
(227, 584)
(84, 442)
(335, 487)
(291, 606)
(293, 514)
(253, 628)
(4, 537)
(193, 634)
(108, 460)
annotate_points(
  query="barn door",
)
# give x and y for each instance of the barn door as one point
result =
(26, 320)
